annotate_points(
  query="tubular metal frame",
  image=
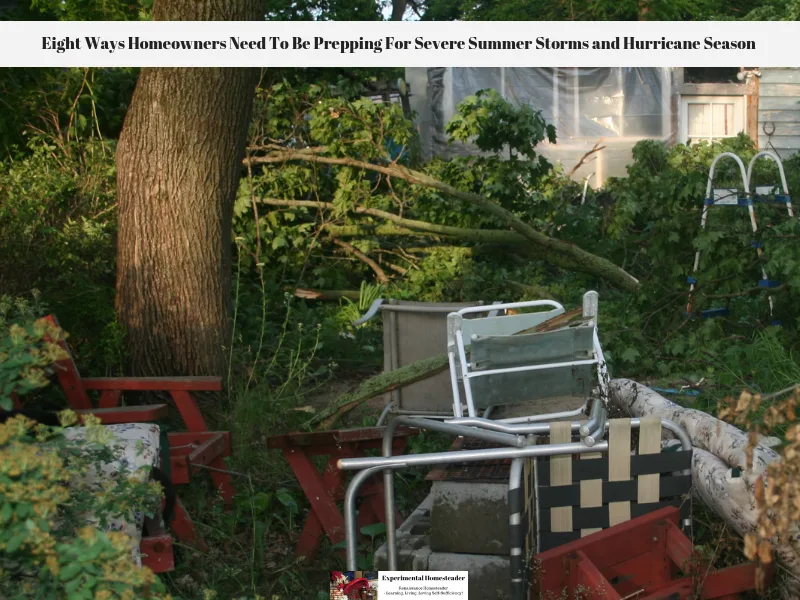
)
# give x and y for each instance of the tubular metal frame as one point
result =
(460, 350)
(777, 160)
(457, 358)
(520, 448)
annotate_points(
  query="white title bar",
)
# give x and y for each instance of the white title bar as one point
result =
(396, 44)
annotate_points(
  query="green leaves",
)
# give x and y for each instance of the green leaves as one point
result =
(495, 125)
(374, 530)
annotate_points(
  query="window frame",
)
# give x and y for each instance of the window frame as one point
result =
(740, 115)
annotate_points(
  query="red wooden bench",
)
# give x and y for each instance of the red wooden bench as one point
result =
(188, 451)
(325, 489)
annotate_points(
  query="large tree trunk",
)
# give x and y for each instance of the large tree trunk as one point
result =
(178, 165)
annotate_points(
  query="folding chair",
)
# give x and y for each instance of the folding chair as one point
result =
(557, 500)
(612, 525)
(509, 364)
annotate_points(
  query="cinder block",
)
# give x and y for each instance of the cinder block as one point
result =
(470, 518)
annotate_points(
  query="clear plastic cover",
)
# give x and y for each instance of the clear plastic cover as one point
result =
(613, 106)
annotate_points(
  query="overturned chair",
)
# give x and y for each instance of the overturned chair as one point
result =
(532, 361)
(567, 517)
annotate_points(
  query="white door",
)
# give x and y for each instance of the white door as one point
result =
(712, 118)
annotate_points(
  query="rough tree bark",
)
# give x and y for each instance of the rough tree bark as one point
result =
(179, 159)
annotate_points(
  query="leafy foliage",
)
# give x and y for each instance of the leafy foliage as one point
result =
(49, 550)
(577, 10)
(27, 353)
(57, 230)
(647, 222)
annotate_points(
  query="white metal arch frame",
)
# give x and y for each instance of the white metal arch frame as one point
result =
(710, 200)
(784, 185)
(456, 350)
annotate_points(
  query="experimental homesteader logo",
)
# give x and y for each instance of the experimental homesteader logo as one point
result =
(428, 585)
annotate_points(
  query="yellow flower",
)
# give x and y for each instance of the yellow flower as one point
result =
(52, 564)
(67, 418)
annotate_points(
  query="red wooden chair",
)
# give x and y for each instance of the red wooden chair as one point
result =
(188, 452)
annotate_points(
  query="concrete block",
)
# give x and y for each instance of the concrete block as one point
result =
(469, 517)
(412, 541)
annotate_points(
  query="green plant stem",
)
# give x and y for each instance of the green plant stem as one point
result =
(235, 315)
(263, 328)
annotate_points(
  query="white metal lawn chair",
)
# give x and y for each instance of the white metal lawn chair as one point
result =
(500, 364)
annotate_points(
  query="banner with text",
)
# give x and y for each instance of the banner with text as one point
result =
(390, 585)
(392, 44)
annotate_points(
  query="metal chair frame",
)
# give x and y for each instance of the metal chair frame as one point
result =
(463, 371)
(517, 438)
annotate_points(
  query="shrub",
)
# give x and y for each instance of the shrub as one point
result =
(53, 507)
(27, 353)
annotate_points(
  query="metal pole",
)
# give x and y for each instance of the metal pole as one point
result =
(548, 417)
(388, 496)
(351, 535)
(451, 358)
(594, 415)
(517, 542)
(446, 458)
(385, 413)
(388, 475)
(519, 428)
(596, 435)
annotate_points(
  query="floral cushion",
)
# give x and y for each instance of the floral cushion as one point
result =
(136, 446)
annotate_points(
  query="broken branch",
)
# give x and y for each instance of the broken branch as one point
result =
(380, 274)
(557, 252)
(596, 148)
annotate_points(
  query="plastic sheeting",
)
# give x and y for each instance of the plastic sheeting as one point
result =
(618, 105)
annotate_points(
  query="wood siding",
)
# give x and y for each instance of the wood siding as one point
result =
(779, 109)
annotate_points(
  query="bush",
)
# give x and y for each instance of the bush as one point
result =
(46, 497)
(27, 353)
(53, 507)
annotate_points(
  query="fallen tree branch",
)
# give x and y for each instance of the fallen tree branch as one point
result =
(416, 371)
(380, 274)
(397, 268)
(322, 295)
(596, 148)
(378, 385)
(557, 252)
(407, 226)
